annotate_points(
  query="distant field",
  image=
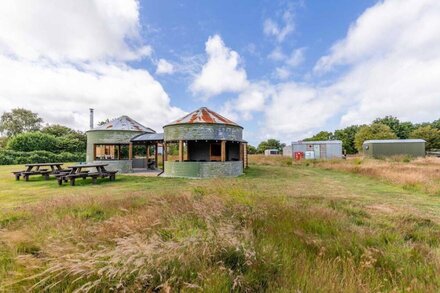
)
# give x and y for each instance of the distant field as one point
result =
(283, 226)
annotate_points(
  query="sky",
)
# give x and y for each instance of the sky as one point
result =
(281, 69)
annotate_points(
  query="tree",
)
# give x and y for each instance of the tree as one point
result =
(58, 130)
(401, 129)
(436, 124)
(405, 130)
(251, 149)
(373, 131)
(347, 136)
(323, 135)
(3, 142)
(18, 121)
(270, 144)
(428, 133)
(103, 122)
(68, 139)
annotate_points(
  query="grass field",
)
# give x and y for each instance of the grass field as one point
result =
(307, 227)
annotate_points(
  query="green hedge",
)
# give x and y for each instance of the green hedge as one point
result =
(9, 157)
(38, 141)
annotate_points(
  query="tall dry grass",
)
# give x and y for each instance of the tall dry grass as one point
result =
(421, 174)
(219, 235)
(418, 174)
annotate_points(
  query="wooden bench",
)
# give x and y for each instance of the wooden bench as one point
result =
(17, 174)
(44, 173)
(38, 169)
(84, 174)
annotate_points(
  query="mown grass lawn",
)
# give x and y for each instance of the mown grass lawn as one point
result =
(280, 227)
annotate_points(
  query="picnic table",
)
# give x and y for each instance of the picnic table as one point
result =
(38, 169)
(77, 171)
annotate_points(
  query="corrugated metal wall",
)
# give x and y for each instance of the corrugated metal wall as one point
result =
(318, 151)
(415, 149)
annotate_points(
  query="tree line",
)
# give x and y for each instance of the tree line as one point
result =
(388, 127)
(352, 137)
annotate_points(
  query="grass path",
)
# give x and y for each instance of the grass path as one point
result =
(277, 228)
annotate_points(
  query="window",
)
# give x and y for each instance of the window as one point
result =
(111, 151)
(216, 152)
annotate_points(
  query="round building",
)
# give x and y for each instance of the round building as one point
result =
(111, 143)
(203, 144)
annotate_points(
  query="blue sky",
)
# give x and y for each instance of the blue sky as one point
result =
(282, 69)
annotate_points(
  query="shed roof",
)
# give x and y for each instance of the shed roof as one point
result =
(203, 115)
(124, 123)
(318, 142)
(148, 137)
(394, 141)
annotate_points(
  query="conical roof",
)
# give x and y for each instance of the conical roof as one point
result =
(203, 116)
(124, 123)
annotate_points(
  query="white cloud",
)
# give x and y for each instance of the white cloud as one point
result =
(71, 30)
(391, 27)
(277, 54)
(296, 57)
(393, 56)
(59, 58)
(221, 73)
(63, 93)
(282, 72)
(164, 67)
(252, 99)
(290, 62)
(279, 31)
(391, 66)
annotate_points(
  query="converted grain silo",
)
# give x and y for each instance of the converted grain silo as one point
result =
(111, 143)
(394, 147)
(325, 149)
(208, 145)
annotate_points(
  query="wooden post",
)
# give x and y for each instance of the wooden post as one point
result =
(242, 153)
(245, 156)
(165, 152)
(155, 155)
(130, 151)
(148, 151)
(180, 150)
(223, 150)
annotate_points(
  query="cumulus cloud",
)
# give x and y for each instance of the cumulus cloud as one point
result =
(393, 60)
(164, 67)
(71, 30)
(59, 58)
(252, 99)
(221, 73)
(281, 30)
(387, 64)
(290, 62)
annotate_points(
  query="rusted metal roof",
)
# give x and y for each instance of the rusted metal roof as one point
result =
(203, 115)
(124, 123)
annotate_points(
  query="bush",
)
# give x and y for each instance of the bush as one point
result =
(6, 159)
(10, 157)
(33, 141)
